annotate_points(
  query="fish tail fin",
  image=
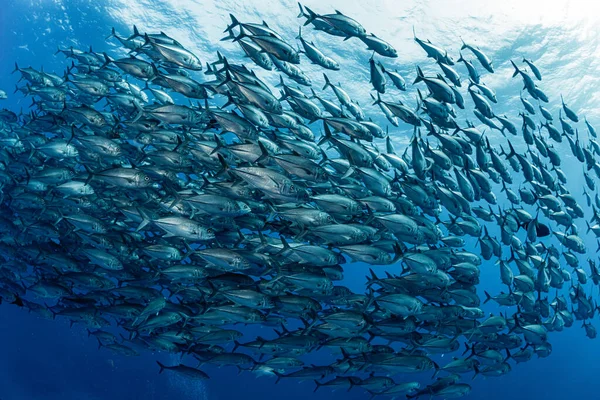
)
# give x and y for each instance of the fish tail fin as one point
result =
(230, 101)
(464, 45)
(460, 57)
(488, 297)
(378, 100)
(517, 70)
(589, 228)
(281, 82)
(136, 33)
(348, 173)
(219, 145)
(230, 35)
(327, 136)
(327, 82)
(302, 13)
(467, 349)
(209, 69)
(398, 252)
(511, 152)
(140, 110)
(155, 71)
(310, 17)
(279, 376)
(17, 65)
(476, 369)
(286, 245)
(373, 277)
(318, 385)
(107, 60)
(224, 166)
(420, 100)
(264, 154)
(90, 174)
(227, 79)
(437, 369)
(420, 75)
(234, 22)
(516, 326)
(242, 35)
(162, 367)
(299, 32)
(113, 33)
(145, 220)
(389, 146)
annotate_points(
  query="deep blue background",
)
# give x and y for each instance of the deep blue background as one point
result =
(42, 359)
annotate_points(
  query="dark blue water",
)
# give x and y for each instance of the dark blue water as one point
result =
(41, 359)
(47, 360)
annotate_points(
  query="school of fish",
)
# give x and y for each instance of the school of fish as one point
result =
(170, 222)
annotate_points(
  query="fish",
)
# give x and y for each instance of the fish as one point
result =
(433, 51)
(220, 201)
(315, 55)
(533, 68)
(338, 21)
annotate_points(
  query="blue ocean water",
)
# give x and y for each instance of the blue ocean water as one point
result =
(42, 359)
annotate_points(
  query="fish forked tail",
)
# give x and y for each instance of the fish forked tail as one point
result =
(517, 70)
(310, 15)
(420, 75)
(302, 13)
(327, 82)
(145, 220)
(229, 29)
(242, 35)
(327, 136)
(377, 100)
(162, 367)
(234, 23)
(136, 33)
(113, 33)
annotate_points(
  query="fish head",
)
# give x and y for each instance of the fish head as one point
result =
(193, 63)
(294, 57)
(275, 106)
(390, 51)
